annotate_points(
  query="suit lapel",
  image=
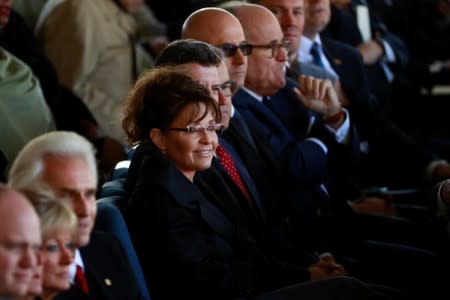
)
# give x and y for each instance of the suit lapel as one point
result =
(245, 176)
(241, 130)
(252, 106)
(98, 283)
(188, 195)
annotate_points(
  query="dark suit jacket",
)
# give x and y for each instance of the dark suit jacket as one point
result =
(343, 159)
(343, 27)
(305, 161)
(262, 165)
(393, 157)
(108, 272)
(191, 243)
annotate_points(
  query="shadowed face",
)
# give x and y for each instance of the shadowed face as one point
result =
(5, 10)
(317, 16)
(290, 15)
(225, 29)
(70, 179)
(266, 63)
(225, 94)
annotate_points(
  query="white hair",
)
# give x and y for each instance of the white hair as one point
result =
(28, 166)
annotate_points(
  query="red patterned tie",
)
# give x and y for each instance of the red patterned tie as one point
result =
(80, 280)
(229, 166)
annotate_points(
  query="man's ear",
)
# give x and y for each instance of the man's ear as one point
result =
(158, 139)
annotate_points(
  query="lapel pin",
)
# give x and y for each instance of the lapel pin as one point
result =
(108, 282)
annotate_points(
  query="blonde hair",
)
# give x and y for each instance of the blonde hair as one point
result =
(54, 214)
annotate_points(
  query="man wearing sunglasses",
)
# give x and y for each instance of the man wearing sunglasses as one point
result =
(260, 152)
(225, 33)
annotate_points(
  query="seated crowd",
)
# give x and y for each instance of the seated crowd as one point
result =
(261, 152)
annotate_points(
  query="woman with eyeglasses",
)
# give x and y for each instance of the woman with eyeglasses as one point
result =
(189, 242)
(58, 225)
(175, 120)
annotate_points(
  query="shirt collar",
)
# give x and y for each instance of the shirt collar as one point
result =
(253, 94)
(73, 267)
(305, 47)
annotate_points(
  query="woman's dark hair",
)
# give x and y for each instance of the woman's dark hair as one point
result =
(157, 98)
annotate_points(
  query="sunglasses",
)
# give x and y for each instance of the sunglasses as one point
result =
(246, 49)
(229, 49)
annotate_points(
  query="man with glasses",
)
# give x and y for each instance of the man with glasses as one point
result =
(257, 151)
(225, 33)
(308, 135)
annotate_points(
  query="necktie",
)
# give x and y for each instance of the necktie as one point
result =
(80, 280)
(315, 52)
(227, 162)
(267, 102)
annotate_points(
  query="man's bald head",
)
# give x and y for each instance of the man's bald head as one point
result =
(217, 26)
(203, 24)
(266, 63)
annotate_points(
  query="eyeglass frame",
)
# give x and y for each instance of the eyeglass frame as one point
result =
(229, 84)
(216, 127)
(275, 45)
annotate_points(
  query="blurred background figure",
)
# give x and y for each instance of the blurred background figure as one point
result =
(94, 48)
(24, 114)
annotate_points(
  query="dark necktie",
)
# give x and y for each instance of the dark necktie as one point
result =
(267, 102)
(227, 163)
(315, 52)
(80, 280)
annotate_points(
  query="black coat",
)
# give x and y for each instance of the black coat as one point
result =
(193, 242)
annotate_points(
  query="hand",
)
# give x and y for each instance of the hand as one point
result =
(371, 51)
(326, 267)
(445, 192)
(318, 95)
(441, 172)
(373, 205)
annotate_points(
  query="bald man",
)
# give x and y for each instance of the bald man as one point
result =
(265, 76)
(20, 240)
(291, 16)
(255, 152)
(224, 32)
(303, 140)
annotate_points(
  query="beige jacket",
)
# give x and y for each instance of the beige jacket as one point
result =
(90, 43)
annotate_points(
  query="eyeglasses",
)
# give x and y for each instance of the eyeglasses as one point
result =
(226, 88)
(200, 128)
(276, 47)
(229, 49)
